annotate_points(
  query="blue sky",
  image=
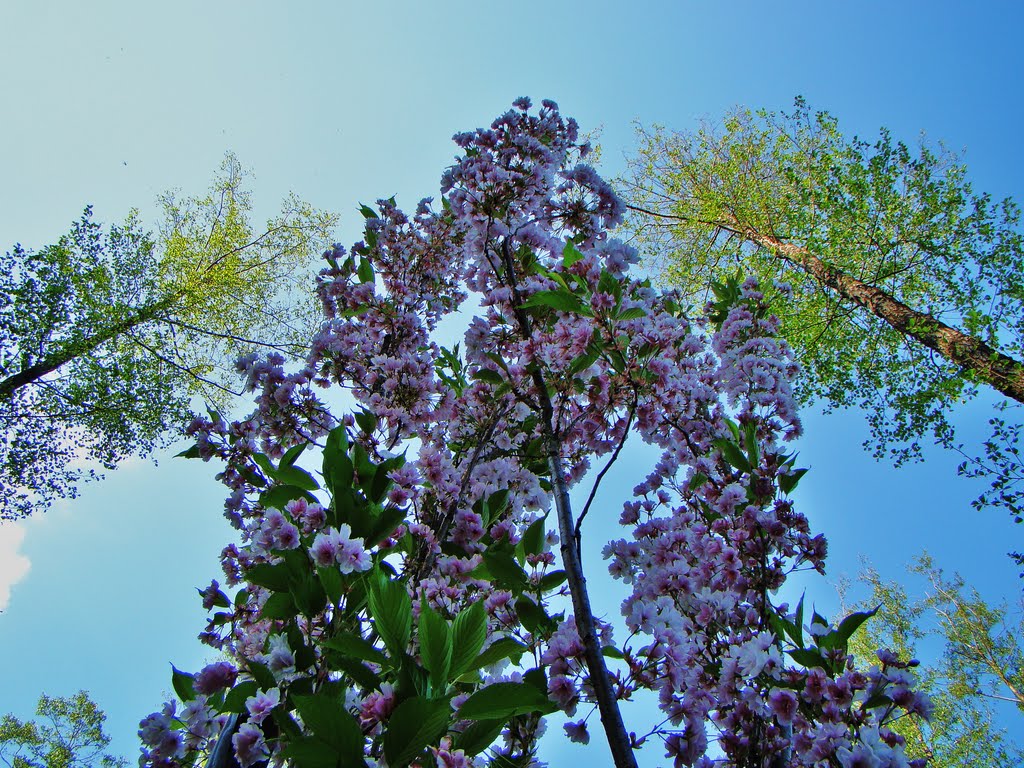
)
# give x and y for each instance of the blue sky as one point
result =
(111, 103)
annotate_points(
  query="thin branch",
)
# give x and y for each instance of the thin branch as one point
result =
(230, 336)
(597, 483)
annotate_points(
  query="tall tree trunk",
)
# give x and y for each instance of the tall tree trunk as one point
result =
(600, 681)
(986, 364)
(74, 350)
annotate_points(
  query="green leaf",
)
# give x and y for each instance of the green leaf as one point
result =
(538, 678)
(807, 658)
(531, 615)
(750, 443)
(781, 626)
(287, 724)
(479, 736)
(415, 724)
(292, 454)
(570, 255)
(368, 212)
(505, 570)
(220, 600)
(295, 476)
(391, 609)
(355, 669)
(789, 481)
(309, 596)
(312, 752)
(505, 700)
(469, 632)
(262, 675)
(192, 452)
(851, 624)
(798, 623)
(732, 454)
(279, 605)
(337, 467)
(502, 648)
(435, 645)
(333, 583)
(533, 538)
(582, 362)
(357, 647)
(611, 652)
(278, 496)
(365, 271)
(488, 375)
(496, 502)
(552, 580)
(366, 420)
(327, 717)
(182, 683)
(276, 578)
(237, 696)
(561, 299)
(632, 313)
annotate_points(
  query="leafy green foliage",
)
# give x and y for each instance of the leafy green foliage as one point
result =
(68, 734)
(902, 219)
(501, 701)
(980, 663)
(106, 335)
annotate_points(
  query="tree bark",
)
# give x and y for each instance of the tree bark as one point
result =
(65, 355)
(984, 363)
(611, 717)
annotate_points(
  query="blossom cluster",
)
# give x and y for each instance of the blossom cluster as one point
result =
(567, 356)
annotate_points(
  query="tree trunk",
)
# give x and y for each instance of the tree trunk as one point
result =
(983, 363)
(51, 363)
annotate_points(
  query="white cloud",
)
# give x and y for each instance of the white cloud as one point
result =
(13, 565)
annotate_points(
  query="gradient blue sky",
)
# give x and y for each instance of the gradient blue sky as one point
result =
(111, 103)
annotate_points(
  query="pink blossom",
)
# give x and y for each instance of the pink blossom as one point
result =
(250, 748)
(259, 706)
(577, 731)
(215, 677)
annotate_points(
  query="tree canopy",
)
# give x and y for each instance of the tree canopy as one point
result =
(68, 734)
(897, 285)
(980, 664)
(107, 335)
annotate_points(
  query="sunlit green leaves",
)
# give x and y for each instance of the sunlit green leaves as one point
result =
(435, 636)
(504, 700)
(391, 609)
(469, 632)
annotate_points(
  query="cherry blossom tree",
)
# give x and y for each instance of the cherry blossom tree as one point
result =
(429, 606)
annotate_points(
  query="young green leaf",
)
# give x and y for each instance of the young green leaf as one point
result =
(327, 717)
(505, 700)
(469, 632)
(533, 538)
(505, 569)
(570, 255)
(415, 724)
(312, 752)
(279, 605)
(502, 648)
(357, 647)
(479, 736)
(732, 454)
(789, 481)
(236, 697)
(391, 609)
(182, 683)
(435, 645)
(292, 455)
